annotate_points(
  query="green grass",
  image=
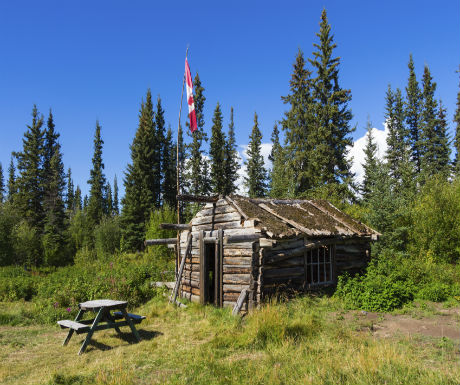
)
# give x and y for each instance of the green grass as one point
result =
(303, 341)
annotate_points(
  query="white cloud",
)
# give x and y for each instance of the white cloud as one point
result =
(265, 149)
(356, 153)
(357, 150)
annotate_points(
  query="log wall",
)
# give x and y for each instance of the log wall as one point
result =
(263, 267)
(238, 258)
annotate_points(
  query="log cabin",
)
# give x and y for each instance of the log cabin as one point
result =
(240, 249)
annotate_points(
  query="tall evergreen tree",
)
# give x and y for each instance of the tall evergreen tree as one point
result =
(109, 200)
(116, 209)
(160, 148)
(279, 179)
(217, 153)
(2, 185)
(398, 147)
(256, 180)
(442, 148)
(29, 196)
(78, 204)
(196, 164)
(55, 224)
(11, 181)
(332, 113)
(70, 196)
(231, 159)
(297, 125)
(169, 180)
(97, 182)
(457, 134)
(413, 115)
(370, 164)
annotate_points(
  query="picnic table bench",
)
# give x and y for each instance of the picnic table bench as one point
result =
(109, 312)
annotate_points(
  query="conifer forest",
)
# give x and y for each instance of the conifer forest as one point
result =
(60, 246)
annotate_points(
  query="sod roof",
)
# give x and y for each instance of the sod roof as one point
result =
(288, 218)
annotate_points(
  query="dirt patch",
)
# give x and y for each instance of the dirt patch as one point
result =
(381, 325)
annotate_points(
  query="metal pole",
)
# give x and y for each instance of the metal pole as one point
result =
(177, 171)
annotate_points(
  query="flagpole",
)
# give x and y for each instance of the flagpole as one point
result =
(177, 170)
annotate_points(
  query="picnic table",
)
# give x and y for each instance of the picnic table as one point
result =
(108, 312)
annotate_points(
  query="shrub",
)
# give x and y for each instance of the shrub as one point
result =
(107, 237)
(434, 291)
(435, 217)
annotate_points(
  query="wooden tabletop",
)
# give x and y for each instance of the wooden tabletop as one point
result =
(107, 303)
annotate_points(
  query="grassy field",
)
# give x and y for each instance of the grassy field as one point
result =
(304, 341)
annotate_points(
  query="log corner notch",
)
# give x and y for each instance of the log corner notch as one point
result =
(198, 198)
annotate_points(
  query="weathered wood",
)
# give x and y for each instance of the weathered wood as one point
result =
(160, 241)
(247, 261)
(168, 285)
(234, 288)
(238, 208)
(216, 226)
(237, 269)
(219, 218)
(203, 291)
(197, 198)
(297, 261)
(191, 297)
(237, 238)
(175, 226)
(236, 278)
(181, 269)
(238, 252)
(220, 255)
(239, 302)
(192, 267)
(224, 209)
(102, 303)
(77, 326)
(191, 289)
(285, 272)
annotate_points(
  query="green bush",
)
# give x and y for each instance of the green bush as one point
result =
(435, 291)
(435, 228)
(107, 237)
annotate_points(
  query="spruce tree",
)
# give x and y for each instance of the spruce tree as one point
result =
(97, 182)
(2, 185)
(256, 180)
(29, 183)
(217, 153)
(442, 148)
(109, 200)
(169, 180)
(398, 147)
(457, 134)
(332, 115)
(279, 178)
(231, 159)
(78, 205)
(370, 164)
(55, 224)
(11, 181)
(196, 164)
(297, 125)
(116, 209)
(413, 115)
(159, 161)
(430, 114)
(70, 196)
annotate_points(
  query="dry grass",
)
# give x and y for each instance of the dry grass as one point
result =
(294, 343)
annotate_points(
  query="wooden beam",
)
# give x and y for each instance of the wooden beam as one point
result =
(188, 248)
(238, 208)
(160, 241)
(241, 238)
(197, 198)
(175, 226)
(240, 301)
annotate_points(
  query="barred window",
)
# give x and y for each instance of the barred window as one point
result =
(319, 265)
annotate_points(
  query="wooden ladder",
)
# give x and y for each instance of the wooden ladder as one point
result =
(188, 249)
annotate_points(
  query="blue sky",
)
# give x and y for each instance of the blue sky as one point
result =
(91, 60)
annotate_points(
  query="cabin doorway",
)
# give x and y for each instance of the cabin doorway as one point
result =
(211, 271)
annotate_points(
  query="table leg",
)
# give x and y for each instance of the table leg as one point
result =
(131, 325)
(70, 333)
(99, 316)
(112, 321)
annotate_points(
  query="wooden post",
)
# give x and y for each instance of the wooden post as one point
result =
(177, 163)
(220, 243)
(202, 268)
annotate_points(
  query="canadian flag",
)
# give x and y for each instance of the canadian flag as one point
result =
(190, 101)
